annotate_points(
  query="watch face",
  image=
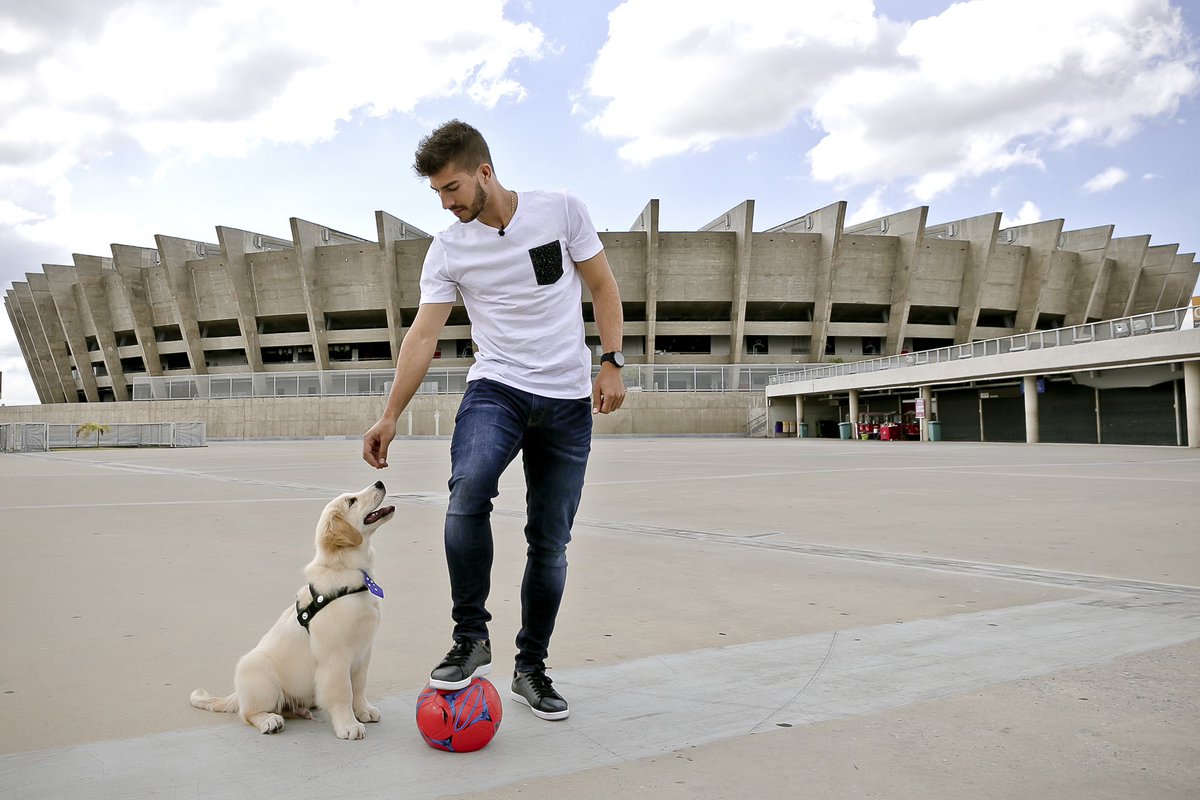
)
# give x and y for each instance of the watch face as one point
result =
(618, 359)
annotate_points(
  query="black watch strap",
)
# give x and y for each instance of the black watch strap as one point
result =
(616, 358)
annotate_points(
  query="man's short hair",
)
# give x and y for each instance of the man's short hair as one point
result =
(454, 142)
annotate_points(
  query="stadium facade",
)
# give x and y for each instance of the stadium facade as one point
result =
(810, 290)
(709, 314)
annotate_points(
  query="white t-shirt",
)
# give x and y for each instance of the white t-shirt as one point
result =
(522, 292)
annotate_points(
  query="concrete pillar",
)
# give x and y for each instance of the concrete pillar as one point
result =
(828, 223)
(1041, 240)
(909, 229)
(91, 279)
(927, 397)
(174, 254)
(38, 328)
(854, 413)
(1127, 254)
(740, 221)
(799, 413)
(1152, 278)
(1031, 409)
(62, 282)
(647, 222)
(132, 265)
(980, 233)
(236, 249)
(1090, 246)
(1191, 392)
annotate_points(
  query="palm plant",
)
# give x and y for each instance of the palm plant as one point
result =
(88, 428)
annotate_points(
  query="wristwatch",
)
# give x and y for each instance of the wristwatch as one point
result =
(616, 358)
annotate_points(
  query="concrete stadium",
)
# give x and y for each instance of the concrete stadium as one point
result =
(266, 337)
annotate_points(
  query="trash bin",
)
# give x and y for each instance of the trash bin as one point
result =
(844, 429)
(803, 429)
(778, 426)
(935, 430)
(885, 432)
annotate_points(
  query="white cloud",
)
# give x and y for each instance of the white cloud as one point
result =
(185, 80)
(1027, 215)
(973, 91)
(871, 208)
(967, 102)
(17, 387)
(1106, 180)
(678, 75)
(13, 214)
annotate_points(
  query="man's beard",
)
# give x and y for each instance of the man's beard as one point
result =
(476, 208)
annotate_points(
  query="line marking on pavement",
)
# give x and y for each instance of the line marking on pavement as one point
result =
(961, 469)
(626, 711)
(1074, 580)
(225, 501)
(764, 540)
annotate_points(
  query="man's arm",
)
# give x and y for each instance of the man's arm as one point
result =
(416, 353)
(608, 392)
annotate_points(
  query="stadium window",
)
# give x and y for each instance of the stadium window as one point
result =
(169, 361)
(283, 323)
(278, 355)
(1048, 322)
(995, 318)
(932, 315)
(219, 328)
(859, 312)
(684, 345)
(756, 346)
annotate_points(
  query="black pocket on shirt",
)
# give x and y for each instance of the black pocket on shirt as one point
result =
(547, 262)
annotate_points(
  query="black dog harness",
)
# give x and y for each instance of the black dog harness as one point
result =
(304, 615)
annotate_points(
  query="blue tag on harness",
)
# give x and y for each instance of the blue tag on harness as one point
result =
(372, 586)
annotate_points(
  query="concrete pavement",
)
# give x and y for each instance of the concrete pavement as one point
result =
(769, 618)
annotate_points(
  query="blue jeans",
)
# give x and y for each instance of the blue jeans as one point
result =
(495, 421)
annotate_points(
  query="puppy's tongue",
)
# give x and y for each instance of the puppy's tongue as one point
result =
(378, 514)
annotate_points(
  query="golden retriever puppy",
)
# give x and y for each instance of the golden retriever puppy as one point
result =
(318, 652)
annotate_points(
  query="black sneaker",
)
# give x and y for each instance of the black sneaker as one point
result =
(468, 659)
(535, 690)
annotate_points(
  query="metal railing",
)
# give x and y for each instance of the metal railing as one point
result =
(23, 437)
(757, 426)
(1139, 325)
(448, 380)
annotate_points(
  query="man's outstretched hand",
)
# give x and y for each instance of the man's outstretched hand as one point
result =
(376, 442)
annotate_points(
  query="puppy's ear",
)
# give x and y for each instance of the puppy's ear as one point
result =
(341, 533)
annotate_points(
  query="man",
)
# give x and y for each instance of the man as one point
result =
(518, 261)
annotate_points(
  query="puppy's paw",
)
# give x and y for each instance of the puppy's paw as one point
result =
(367, 713)
(268, 723)
(355, 730)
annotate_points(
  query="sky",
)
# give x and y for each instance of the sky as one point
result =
(122, 119)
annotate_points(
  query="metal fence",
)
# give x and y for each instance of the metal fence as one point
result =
(452, 380)
(1140, 325)
(23, 437)
(20, 437)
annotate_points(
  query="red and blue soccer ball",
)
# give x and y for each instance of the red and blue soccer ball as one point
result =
(461, 720)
